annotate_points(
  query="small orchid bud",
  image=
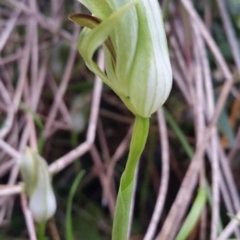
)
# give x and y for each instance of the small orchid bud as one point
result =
(37, 182)
(136, 55)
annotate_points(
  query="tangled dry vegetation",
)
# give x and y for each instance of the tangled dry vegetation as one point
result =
(49, 101)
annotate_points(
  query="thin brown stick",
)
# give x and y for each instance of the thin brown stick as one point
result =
(204, 95)
(8, 29)
(209, 40)
(39, 85)
(28, 218)
(121, 149)
(189, 182)
(22, 78)
(53, 229)
(231, 35)
(228, 176)
(164, 177)
(48, 24)
(5, 167)
(10, 150)
(67, 159)
(107, 198)
(63, 85)
(6, 190)
(225, 234)
(103, 142)
(10, 111)
(62, 108)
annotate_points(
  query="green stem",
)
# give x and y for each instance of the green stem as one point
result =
(123, 211)
(41, 228)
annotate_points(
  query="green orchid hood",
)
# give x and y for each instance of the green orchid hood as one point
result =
(136, 54)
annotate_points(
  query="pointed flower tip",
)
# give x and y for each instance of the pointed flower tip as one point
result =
(37, 181)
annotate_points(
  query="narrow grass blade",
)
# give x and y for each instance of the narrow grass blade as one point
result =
(69, 230)
(193, 215)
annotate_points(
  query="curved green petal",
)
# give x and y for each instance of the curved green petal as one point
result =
(89, 41)
(125, 39)
(91, 22)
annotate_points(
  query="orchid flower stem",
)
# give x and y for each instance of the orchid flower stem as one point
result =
(124, 205)
(41, 229)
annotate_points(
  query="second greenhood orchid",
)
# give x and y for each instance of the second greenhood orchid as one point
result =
(37, 182)
(136, 55)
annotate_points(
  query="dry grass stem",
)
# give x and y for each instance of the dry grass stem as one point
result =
(162, 193)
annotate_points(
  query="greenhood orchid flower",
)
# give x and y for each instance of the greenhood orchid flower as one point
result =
(137, 69)
(37, 183)
(136, 55)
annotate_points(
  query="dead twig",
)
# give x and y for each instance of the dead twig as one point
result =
(164, 178)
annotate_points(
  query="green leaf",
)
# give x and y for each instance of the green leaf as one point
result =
(193, 215)
(69, 230)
